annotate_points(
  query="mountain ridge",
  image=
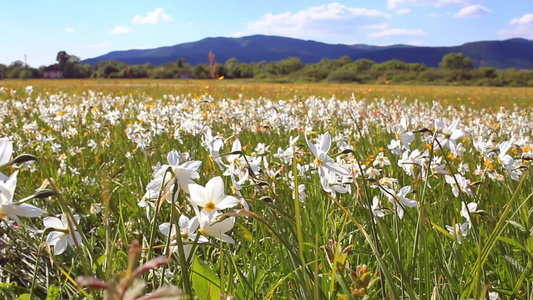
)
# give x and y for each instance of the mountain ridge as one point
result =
(511, 53)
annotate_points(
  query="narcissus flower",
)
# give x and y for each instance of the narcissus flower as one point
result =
(216, 225)
(6, 149)
(458, 230)
(183, 174)
(61, 235)
(398, 199)
(187, 233)
(211, 197)
(13, 210)
(322, 160)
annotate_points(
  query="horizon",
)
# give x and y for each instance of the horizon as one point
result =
(46, 30)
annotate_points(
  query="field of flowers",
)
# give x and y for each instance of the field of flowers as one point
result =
(227, 193)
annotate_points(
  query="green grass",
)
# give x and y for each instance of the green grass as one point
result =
(326, 247)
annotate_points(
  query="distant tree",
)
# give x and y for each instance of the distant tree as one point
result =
(487, 72)
(62, 58)
(232, 68)
(246, 70)
(455, 61)
(363, 64)
(182, 63)
(83, 71)
(68, 64)
(16, 64)
(201, 71)
(289, 65)
(25, 73)
(344, 60)
(138, 71)
(3, 69)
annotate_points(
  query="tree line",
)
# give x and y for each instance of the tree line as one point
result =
(454, 69)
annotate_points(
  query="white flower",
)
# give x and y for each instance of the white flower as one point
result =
(322, 160)
(213, 144)
(508, 162)
(211, 197)
(213, 225)
(398, 199)
(395, 147)
(241, 165)
(301, 193)
(183, 175)
(505, 159)
(10, 209)
(381, 160)
(465, 209)
(61, 236)
(376, 210)
(448, 134)
(6, 150)
(458, 230)
(187, 232)
(464, 185)
(332, 183)
(405, 137)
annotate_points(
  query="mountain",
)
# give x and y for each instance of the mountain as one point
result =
(513, 53)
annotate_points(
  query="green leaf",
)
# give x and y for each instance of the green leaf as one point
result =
(204, 281)
(100, 261)
(516, 225)
(512, 242)
(53, 293)
(23, 297)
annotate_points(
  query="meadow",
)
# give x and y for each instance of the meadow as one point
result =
(155, 189)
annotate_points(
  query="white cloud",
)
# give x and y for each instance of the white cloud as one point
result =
(397, 32)
(394, 4)
(333, 19)
(373, 27)
(403, 11)
(472, 11)
(120, 30)
(103, 44)
(69, 29)
(434, 15)
(522, 27)
(524, 20)
(152, 17)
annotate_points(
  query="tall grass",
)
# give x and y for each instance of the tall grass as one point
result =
(96, 151)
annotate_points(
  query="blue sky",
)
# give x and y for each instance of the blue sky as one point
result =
(39, 29)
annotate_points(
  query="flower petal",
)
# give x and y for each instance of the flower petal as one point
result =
(53, 237)
(28, 210)
(227, 202)
(325, 142)
(53, 222)
(165, 228)
(6, 149)
(312, 147)
(173, 158)
(215, 189)
(198, 195)
(60, 246)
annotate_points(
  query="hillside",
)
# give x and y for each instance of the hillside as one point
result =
(513, 53)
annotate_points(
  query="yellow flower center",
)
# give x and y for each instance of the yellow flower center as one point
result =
(318, 162)
(209, 206)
